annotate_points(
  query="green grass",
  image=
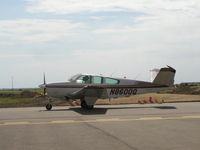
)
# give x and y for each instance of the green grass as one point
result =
(38, 90)
(10, 91)
(196, 86)
(14, 100)
(19, 91)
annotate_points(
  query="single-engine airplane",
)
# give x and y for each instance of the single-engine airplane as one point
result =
(89, 88)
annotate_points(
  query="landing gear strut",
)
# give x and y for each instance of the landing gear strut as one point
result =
(85, 106)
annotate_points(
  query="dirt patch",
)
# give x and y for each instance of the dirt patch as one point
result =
(167, 98)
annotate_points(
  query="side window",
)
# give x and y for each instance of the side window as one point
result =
(84, 79)
(97, 80)
(111, 81)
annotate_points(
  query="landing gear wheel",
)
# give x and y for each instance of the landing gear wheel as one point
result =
(90, 107)
(48, 106)
(85, 106)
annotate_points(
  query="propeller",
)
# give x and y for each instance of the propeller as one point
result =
(43, 86)
(44, 89)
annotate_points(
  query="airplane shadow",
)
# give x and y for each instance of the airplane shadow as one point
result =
(95, 111)
(165, 107)
(100, 111)
(79, 110)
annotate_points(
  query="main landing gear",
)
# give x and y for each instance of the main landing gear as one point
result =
(85, 106)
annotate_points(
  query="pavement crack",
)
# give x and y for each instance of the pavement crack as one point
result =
(112, 136)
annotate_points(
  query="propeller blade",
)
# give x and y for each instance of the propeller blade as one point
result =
(44, 91)
(44, 79)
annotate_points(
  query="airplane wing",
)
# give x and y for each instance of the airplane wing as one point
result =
(90, 93)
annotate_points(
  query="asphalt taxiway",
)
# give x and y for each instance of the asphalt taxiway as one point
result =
(137, 127)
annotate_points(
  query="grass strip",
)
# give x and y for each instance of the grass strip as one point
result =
(14, 100)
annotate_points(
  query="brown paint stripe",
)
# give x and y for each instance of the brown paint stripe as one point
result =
(99, 87)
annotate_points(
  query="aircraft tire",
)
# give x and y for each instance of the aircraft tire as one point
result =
(48, 106)
(85, 106)
(90, 107)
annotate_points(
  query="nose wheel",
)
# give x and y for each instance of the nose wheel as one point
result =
(48, 106)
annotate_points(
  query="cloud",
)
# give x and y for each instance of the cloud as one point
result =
(165, 21)
(36, 30)
(167, 32)
(166, 15)
(153, 7)
(28, 56)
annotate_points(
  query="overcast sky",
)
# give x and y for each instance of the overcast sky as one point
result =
(119, 37)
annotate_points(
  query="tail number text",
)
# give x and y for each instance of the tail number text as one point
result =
(123, 91)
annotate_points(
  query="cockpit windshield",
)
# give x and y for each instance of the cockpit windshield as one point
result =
(79, 78)
(74, 78)
(85, 79)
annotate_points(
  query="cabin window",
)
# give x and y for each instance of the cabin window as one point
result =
(85, 79)
(111, 81)
(97, 80)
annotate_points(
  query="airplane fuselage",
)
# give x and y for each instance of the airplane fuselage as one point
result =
(132, 87)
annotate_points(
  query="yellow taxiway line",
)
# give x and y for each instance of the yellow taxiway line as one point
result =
(99, 120)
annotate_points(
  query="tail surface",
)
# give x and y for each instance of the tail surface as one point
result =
(165, 76)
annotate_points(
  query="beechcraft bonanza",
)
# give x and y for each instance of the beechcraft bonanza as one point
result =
(89, 88)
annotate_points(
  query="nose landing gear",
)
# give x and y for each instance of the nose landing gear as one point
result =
(49, 106)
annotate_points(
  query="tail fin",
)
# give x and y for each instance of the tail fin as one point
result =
(165, 76)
